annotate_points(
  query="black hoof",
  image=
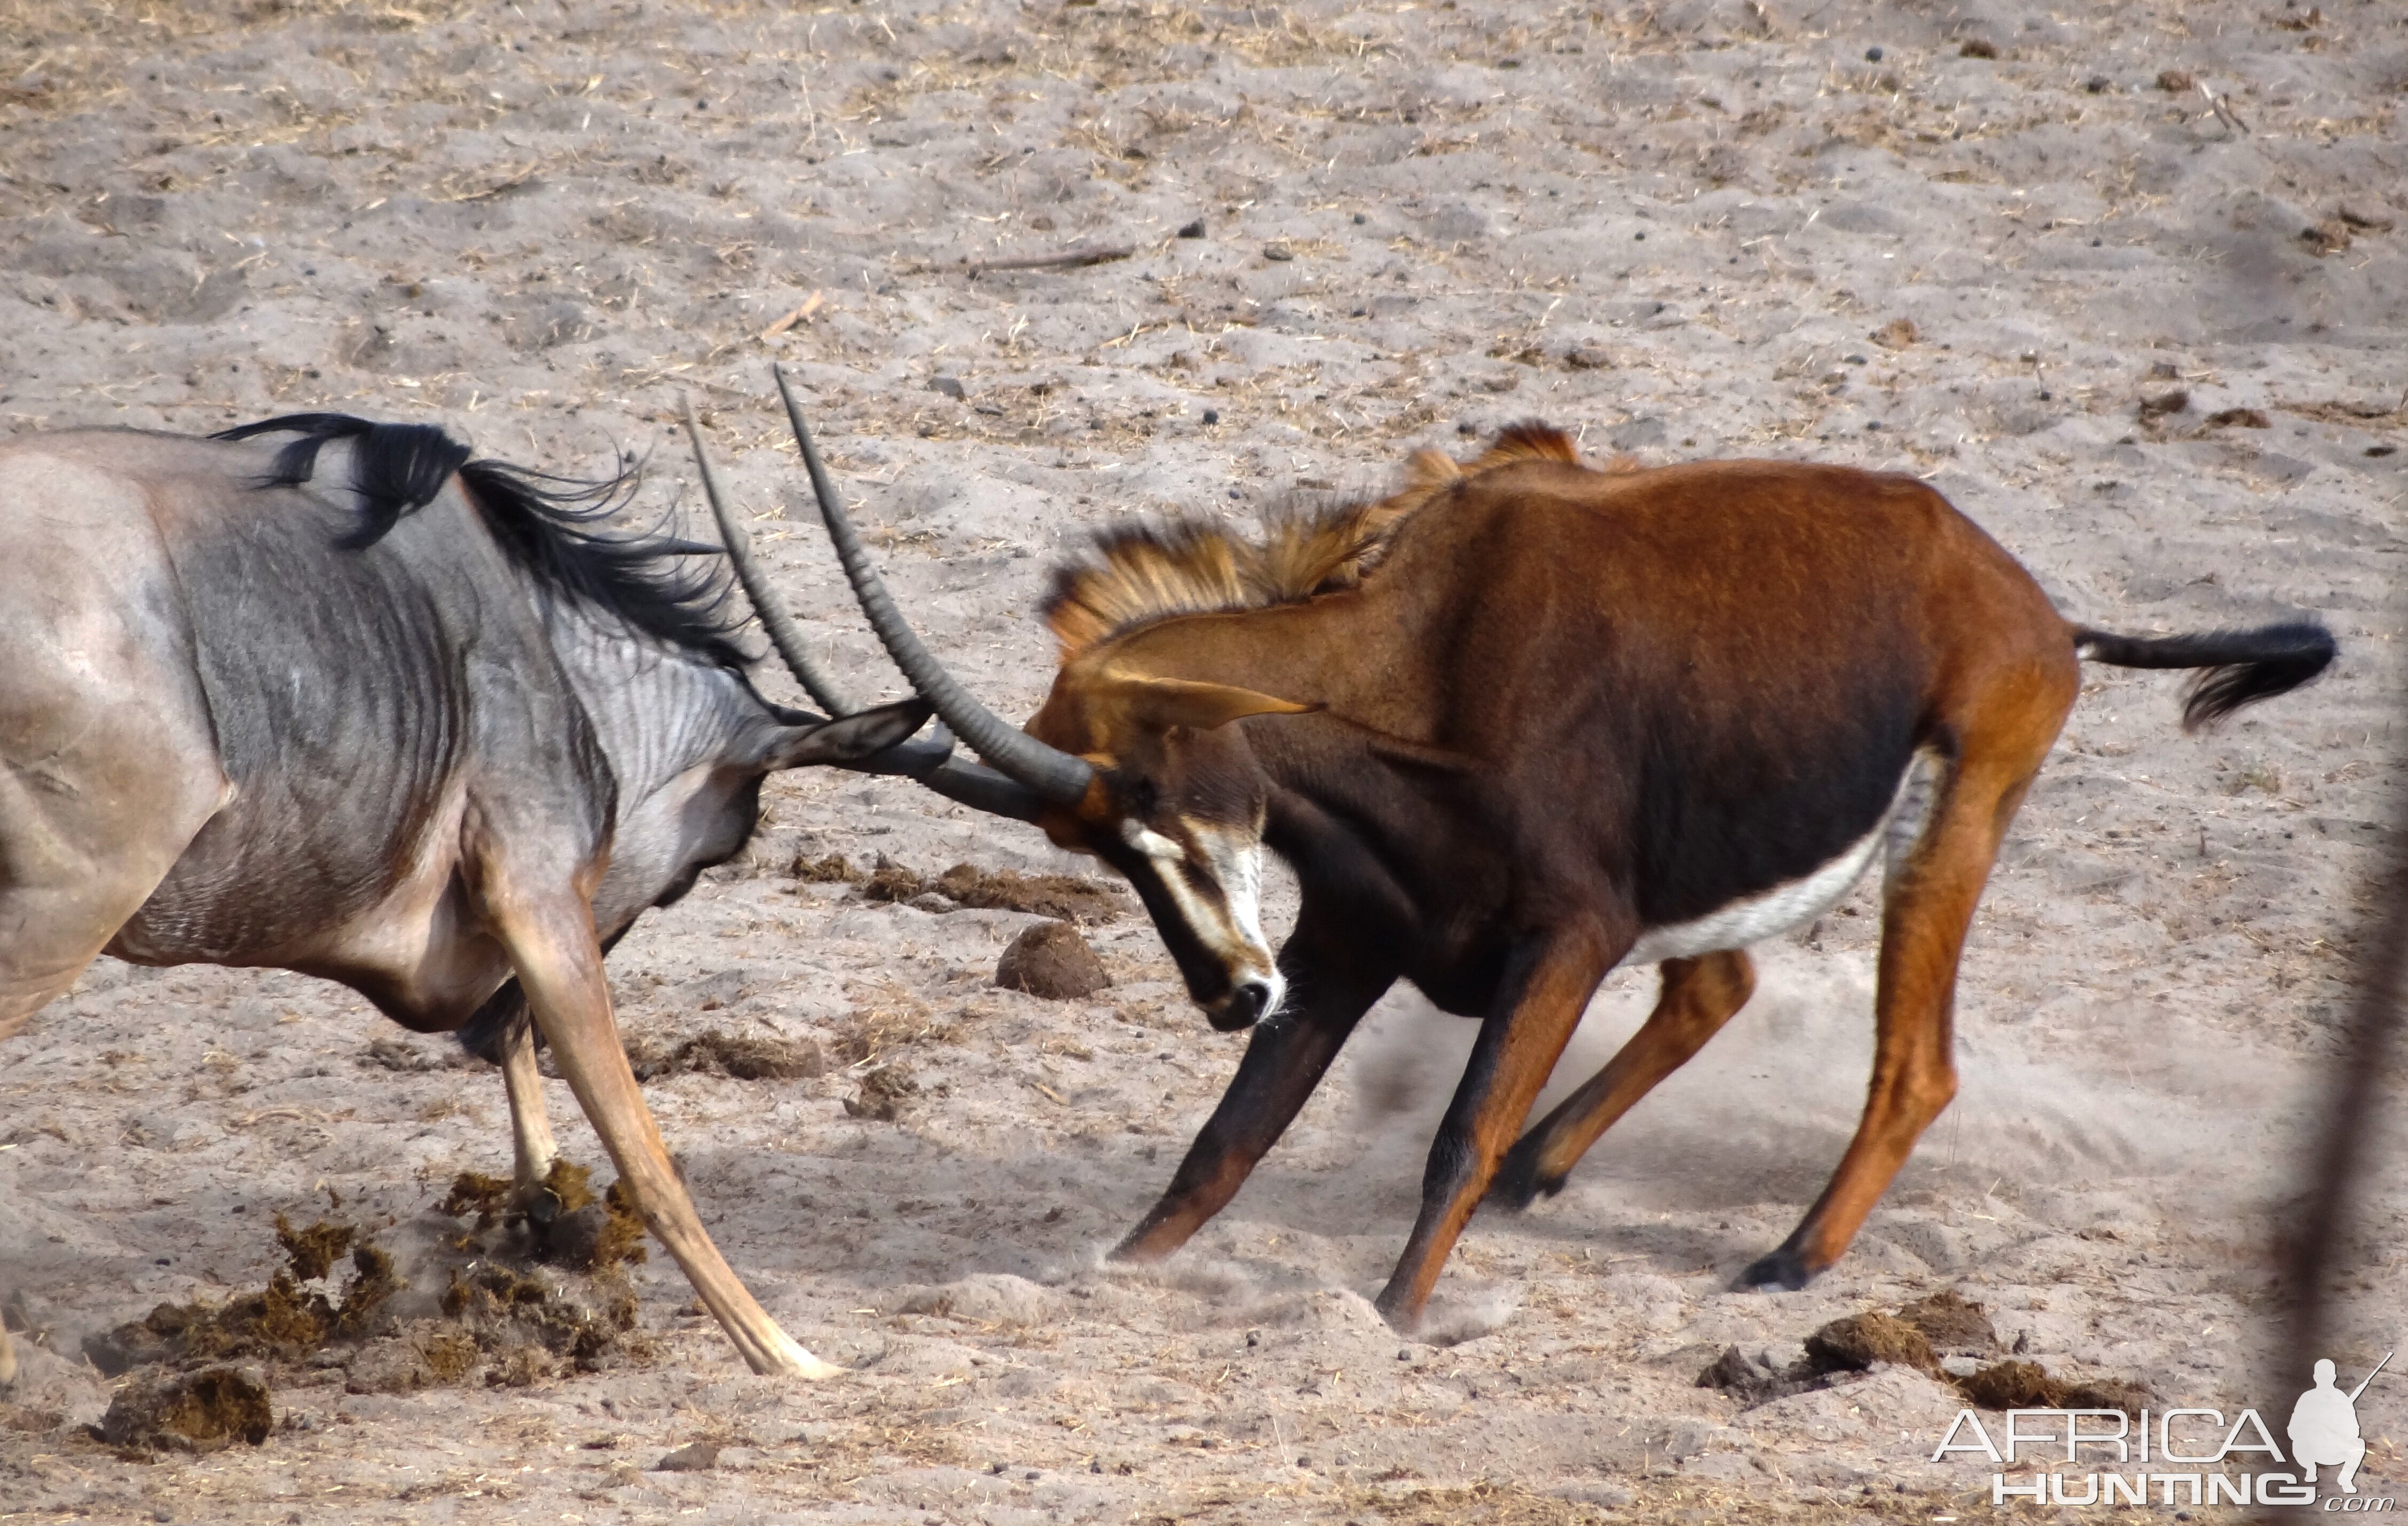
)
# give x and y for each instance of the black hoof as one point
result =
(1518, 1183)
(1784, 1269)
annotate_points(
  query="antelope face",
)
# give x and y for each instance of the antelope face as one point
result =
(1177, 807)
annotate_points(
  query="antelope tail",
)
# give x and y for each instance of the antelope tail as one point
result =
(2241, 666)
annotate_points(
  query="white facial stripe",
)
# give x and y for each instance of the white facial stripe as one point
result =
(1152, 843)
(1755, 917)
(1231, 931)
(1237, 862)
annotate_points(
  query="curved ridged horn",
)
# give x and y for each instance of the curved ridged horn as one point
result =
(784, 633)
(1051, 772)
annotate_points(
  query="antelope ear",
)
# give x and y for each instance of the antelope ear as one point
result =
(1160, 704)
(853, 737)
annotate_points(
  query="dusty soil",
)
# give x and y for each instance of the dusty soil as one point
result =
(2146, 329)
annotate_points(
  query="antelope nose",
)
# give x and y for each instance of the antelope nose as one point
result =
(1250, 1000)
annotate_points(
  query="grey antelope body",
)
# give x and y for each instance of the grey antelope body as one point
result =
(1525, 721)
(332, 697)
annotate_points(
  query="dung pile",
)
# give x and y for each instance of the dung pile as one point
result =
(1051, 960)
(732, 1055)
(205, 1411)
(1923, 1335)
(563, 1225)
(539, 1290)
(1069, 898)
(283, 1323)
(526, 1294)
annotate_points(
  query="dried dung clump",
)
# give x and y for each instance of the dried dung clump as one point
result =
(1066, 897)
(1051, 960)
(2157, 405)
(1952, 1323)
(831, 870)
(421, 1354)
(401, 1055)
(529, 1326)
(1898, 333)
(474, 1193)
(741, 1058)
(1855, 1343)
(1914, 1336)
(2025, 1385)
(883, 1092)
(563, 1225)
(503, 1322)
(283, 1323)
(205, 1411)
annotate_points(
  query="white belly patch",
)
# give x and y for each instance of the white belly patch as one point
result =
(1769, 913)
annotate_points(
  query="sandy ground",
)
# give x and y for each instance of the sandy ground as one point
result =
(1679, 230)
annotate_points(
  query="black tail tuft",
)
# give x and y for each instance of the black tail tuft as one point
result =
(2242, 667)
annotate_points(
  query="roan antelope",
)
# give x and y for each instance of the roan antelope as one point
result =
(1526, 722)
(329, 695)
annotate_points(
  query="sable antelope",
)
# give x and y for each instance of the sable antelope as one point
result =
(1528, 722)
(332, 696)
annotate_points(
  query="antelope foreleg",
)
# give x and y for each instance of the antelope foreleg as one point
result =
(1698, 996)
(551, 940)
(1285, 1059)
(1519, 1042)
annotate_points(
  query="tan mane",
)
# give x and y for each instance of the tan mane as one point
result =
(1135, 575)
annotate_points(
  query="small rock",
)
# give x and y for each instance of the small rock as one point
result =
(1278, 251)
(2175, 81)
(1194, 230)
(1212, 416)
(1053, 961)
(1872, 55)
(950, 386)
(695, 1456)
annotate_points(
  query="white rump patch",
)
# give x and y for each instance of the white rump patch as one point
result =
(1770, 913)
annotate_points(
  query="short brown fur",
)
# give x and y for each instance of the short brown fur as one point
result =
(1524, 722)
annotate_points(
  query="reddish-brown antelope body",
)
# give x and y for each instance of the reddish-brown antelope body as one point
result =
(1528, 722)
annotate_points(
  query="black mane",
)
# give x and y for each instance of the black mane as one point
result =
(555, 527)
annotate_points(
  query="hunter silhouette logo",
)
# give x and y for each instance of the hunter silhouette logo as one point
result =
(2174, 1456)
(2324, 1428)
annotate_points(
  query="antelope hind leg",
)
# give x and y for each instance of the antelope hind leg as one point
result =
(559, 961)
(533, 1149)
(1928, 905)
